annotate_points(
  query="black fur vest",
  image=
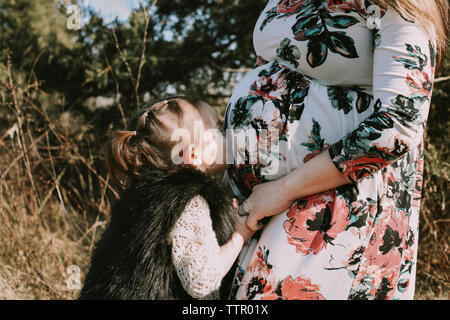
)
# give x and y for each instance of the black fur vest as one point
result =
(133, 260)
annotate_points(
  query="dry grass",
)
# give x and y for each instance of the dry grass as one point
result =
(40, 235)
(52, 200)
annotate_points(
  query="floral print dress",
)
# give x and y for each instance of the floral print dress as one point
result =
(357, 81)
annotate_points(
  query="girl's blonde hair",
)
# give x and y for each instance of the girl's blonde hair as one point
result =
(431, 14)
(147, 143)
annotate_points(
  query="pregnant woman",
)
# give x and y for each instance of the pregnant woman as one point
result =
(343, 90)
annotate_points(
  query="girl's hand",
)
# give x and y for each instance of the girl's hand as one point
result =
(243, 229)
(267, 199)
(241, 224)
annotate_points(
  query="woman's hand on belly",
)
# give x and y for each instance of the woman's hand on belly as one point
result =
(267, 199)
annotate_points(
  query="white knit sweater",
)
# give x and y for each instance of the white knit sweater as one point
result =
(196, 254)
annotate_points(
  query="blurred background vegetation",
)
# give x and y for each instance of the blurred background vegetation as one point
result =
(62, 92)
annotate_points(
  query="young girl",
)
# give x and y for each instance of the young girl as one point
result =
(175, 232)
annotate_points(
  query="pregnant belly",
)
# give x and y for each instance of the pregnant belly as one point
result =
(278, 119)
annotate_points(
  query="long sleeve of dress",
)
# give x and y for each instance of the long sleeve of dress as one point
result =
(195, 251)
(403, 74)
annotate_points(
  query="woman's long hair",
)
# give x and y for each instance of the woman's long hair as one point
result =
(431, 14)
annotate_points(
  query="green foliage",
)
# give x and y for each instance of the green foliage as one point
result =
(189, 45)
